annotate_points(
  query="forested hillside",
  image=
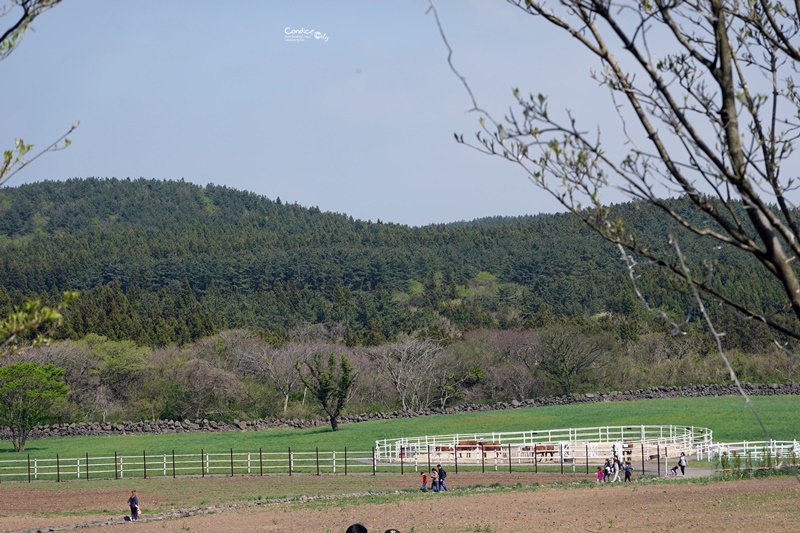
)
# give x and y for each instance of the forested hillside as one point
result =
(203, 302)
(161, 262)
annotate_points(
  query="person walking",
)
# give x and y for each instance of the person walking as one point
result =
(434, 480)
(682, 462)
(628, 470)
(424, 487)
(615, 469)
(442, 476)
(133, 503)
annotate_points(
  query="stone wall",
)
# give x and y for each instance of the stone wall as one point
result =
(172, 426)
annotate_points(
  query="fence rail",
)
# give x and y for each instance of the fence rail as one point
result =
(201, 464)
(597, 441)
(569, 450)
(752, 456)
(292, 462)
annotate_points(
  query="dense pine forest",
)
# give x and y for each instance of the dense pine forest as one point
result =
(199, 302)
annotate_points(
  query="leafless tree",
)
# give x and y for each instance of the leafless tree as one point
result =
(207, 389)
(567, 356)
(20, 15)
(510, 362)
(706, 93)
(277, 366)
(410, 365)
(82, 370)
(332, 332)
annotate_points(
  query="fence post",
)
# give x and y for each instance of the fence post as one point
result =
(483, 460)
(535, 460)
(509, 458)
(561, 456)
(115, 464)
(29, 468)
(374, 462)
(455, 455)
(317, 456)
(260, 463)
(428, 448)
(643, 459)
(345, 460)
(290, 461)
(202, 465)
(87, 466)
(144, 463)
(587, 459)
(231, 462)
(401, 461)
(58, 470)
(658, 458)
(173, 463)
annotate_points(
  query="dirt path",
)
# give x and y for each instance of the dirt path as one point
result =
(761, 505)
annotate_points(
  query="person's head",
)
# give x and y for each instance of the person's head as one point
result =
(133, 493)
(392, 530)
(356, 528)
(438, 466)
(683, 453)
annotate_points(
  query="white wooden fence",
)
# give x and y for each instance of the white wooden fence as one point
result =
(643, 442)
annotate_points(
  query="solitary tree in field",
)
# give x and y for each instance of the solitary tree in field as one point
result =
(329, 382)
(30, 394)
(706, 92)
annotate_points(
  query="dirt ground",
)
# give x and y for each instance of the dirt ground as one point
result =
(476, 504)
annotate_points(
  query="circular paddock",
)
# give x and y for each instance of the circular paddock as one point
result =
(548, 447)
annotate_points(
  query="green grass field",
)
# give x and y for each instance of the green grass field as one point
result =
(728, 417)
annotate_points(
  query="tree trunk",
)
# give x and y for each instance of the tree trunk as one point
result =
(334, 423)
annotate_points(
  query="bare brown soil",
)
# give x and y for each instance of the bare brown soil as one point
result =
(232, 504)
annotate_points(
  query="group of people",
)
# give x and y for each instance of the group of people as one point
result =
(360, 528)
(438, 476)
(609, 472)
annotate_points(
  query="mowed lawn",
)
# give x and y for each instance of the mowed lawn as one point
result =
(728, 417)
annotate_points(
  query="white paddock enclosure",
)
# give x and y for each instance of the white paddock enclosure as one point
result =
(548, 446)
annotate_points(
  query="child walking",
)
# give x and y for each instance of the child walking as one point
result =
(133, 502)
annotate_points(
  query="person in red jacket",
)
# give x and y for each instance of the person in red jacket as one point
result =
(424, 487)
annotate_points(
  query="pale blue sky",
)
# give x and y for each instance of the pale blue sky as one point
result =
(360, 124)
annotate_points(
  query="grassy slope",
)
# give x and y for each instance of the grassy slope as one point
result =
(726, 416)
